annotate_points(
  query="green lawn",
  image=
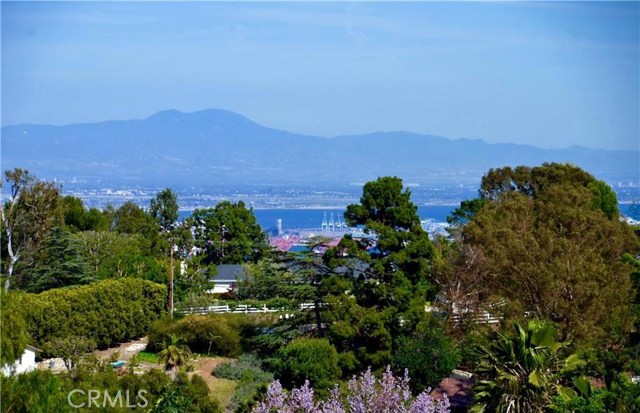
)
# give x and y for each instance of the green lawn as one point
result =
(148, 357)
(222, 389)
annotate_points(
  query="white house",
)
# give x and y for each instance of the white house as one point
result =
(226, 278)
(26, 363)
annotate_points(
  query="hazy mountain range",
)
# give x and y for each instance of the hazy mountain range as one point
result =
(218, 146)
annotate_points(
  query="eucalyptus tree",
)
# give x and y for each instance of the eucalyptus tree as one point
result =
(548, 243)
(164, 210)
(30, 211)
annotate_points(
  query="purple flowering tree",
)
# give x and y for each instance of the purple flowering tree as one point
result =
(366, 395)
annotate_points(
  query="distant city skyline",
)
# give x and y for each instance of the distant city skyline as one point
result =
(546, 74)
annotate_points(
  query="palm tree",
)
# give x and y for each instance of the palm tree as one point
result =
(523, 371)
(174, 354)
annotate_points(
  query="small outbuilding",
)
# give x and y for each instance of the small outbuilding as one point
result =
(25, 364)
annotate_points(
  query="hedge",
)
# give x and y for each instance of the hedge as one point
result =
(108, 312)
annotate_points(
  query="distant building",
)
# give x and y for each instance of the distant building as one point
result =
(25, 364)
(226, 278)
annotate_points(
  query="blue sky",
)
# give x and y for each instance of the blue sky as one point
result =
(541, 73)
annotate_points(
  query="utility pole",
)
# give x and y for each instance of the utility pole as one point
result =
(171, 279)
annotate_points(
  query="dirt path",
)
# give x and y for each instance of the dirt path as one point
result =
(221, 389)
(125, 350)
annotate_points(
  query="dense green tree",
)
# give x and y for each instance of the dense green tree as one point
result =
(530, 181)
(268, 279)
(30, 211)
(164, 209)
(131, 219)
(604, 198)
(384, 203)
(309, 359)
(228, 234)
(78, 218)
(467, 210)
(402, 252)
(358, 333)
(74, 212)
(69, 349)
(427, 353)
(35, 392)
(111, 255)
(60, 263)
(621, 397)
(14, 335)
(365, 288)
(542, 246)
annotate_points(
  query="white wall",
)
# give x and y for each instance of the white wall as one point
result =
(25, 364)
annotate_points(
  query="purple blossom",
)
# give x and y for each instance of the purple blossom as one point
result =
(301, 399)
(366, 394)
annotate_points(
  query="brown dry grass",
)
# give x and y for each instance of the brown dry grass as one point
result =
(221, 389)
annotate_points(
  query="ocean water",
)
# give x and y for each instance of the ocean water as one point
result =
(312, 218)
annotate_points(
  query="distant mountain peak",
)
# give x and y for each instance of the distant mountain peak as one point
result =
(203, 117)
(217, 145)
(169, 114)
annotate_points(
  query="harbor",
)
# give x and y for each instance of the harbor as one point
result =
(331, 230)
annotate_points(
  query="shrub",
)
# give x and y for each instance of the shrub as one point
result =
(203, 334)
(310, 359)
(365, 394)
(427, 354)
(108, 312)
(230, 371)
(13, 319)
(253, 381)
(220, 334)
(247, 366)
(43, 392)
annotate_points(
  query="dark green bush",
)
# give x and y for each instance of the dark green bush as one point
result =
(108, 312)
(310, 359)
(44, 392)
(212, 334)
(427, 354)
(219, 334)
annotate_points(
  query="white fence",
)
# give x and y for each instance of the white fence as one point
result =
(240, 309)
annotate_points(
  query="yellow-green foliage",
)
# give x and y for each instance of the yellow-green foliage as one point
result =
(14, 327)
(108, 312)
(219, 334)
